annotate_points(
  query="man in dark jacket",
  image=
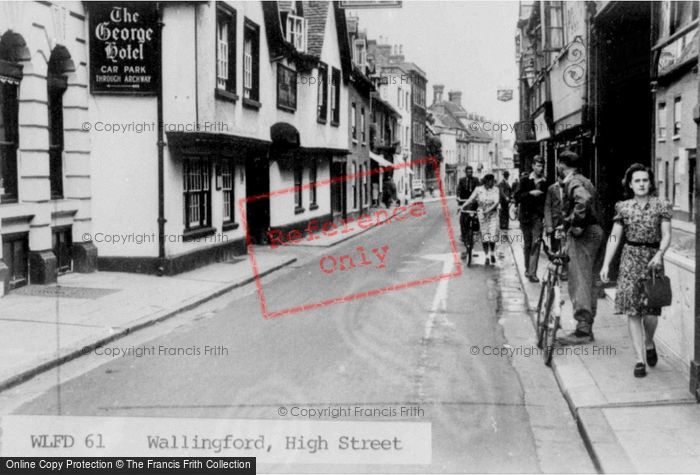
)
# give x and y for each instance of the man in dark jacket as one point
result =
(582, 220)
(506, 193)
(465, 188)
(531, 196)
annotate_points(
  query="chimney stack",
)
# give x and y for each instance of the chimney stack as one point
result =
(437, 93)
(455, 97)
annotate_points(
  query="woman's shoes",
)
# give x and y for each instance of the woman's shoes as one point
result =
(640, 370)
(493, 259)
(652, 357)
(487, 262)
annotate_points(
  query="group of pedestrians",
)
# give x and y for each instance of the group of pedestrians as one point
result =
(569, 210)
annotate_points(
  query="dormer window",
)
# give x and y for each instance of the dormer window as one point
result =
(360, 52)
(296, 31)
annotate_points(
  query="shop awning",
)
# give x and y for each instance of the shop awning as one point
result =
(381, 161)
(205, 145)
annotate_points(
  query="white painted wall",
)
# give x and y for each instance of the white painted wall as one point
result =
(43, 28)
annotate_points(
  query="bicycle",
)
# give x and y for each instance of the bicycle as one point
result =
(550, 302)
(468, 237)
(513, 211)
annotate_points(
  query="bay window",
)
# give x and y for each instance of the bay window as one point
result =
(197, 194)
(227, 184)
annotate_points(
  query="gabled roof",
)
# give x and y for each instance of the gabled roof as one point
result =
(457, 117)
(315, 13)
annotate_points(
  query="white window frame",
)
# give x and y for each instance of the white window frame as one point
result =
(222, 56)
(677, 116)
(360, 51)
(296, 31)
(227, 183)
(662, 118)
(247, 67)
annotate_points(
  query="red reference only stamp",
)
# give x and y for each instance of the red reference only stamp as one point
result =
(324, 230)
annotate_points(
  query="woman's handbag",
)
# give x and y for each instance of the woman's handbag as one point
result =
(655, 288)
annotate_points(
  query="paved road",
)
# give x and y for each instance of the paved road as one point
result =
(406, 347)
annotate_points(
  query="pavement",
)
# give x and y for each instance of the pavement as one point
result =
(43, 326)
(629, 425)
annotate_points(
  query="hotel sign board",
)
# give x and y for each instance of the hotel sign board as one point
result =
(124, 48)
(362, 4)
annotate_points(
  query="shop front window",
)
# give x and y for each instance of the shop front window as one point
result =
(197, 194)
(227, 177)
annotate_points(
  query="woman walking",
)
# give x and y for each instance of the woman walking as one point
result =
(645, 223)
(487, 196)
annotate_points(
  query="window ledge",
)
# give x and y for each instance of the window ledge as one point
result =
(299, 210)
(251, 103)
(225, 95)
(321, 121)
(229, 226)
(286, 108)
(676, 137)
(313, 207)
(192, 234)
(354, 141)
(661, 139)
(335, 123)
(8, 200)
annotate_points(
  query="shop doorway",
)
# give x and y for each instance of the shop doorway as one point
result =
(62, 243)
(257, 172)
(339, 188)
(624, 110)
(15, 254)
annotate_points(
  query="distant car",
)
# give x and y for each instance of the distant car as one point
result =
(417, 190)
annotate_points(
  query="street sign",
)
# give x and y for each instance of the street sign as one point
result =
(124, 48)
(504, 95)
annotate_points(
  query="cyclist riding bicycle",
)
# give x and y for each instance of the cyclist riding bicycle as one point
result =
(465, 188)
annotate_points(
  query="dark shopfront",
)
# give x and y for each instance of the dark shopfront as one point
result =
(621, 70)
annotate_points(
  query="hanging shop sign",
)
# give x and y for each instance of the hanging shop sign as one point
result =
(124, 48)
(541, 127)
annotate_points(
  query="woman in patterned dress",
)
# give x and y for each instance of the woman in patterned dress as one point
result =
(487, 197)
(645, 223)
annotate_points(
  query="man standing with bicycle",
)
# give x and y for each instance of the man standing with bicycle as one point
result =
(582, 220)
(465, 188)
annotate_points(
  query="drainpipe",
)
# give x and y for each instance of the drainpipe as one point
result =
(695, 364)
(161, 146)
